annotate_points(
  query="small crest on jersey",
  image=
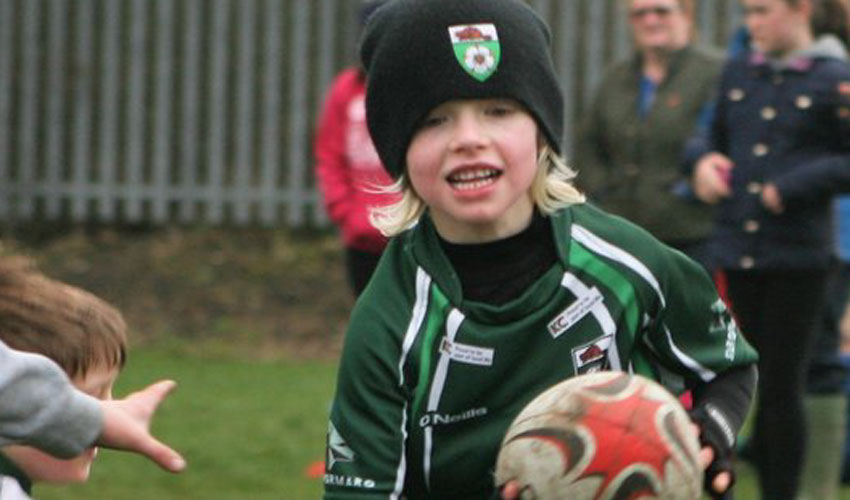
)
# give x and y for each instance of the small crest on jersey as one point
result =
(723, 325)
(572, 314)
(592, 357)
(476, 48)
(338, 449)
(467, 354)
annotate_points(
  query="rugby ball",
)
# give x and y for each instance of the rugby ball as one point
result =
(604, 435)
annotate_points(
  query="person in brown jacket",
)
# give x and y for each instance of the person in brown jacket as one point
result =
(632, 138)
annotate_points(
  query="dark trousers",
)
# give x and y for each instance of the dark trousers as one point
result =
(360, 265)
(827, 373)
(779, 313)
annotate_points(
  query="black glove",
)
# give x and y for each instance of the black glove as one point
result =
(715, 432)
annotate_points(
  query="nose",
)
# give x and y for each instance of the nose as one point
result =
(468, 132)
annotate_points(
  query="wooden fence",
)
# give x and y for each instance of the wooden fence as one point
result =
(201, 111)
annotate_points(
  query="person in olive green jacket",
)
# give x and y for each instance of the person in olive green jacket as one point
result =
(631, 142)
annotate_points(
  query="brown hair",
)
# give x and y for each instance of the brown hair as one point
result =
(831, 17)
(72, 327)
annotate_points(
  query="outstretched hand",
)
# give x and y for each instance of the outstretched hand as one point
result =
(126, 425)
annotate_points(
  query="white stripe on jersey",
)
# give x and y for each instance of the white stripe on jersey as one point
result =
(402, 465)
(420, 307)
(600, 312)
(602, 247)
(452, 325)
(704, 373)
(10, 489)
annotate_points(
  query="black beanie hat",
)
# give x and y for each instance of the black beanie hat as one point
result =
(419, 54)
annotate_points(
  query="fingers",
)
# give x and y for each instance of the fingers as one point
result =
(510, 491)
(706, 456)
(149, 399)
(126, 425)
(153, 395)
(163, 455)
(711, 178)
(772, 199)
(722, 482)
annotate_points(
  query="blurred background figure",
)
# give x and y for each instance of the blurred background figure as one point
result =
(349, 171)
(826, 398)
(630, 147)
(778, 150)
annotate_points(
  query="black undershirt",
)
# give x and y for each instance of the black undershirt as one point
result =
(497, 272)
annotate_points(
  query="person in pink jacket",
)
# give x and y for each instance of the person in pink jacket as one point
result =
(348, 169)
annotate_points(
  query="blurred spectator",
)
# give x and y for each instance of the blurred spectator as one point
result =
(631, 141)
(826, 400)
(777, 152)
(349, 171)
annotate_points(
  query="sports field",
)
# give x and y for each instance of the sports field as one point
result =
(249, 324)
(249, 430)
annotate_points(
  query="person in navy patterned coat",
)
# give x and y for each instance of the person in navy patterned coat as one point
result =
(777, 152)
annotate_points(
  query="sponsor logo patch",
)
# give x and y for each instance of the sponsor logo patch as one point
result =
(576, 311)
(467, 354)
(592, 357)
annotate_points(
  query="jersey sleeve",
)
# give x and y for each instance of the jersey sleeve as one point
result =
(365, 453)
(40, 407)
(689, 327)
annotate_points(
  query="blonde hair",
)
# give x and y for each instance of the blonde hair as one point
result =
(551, 190)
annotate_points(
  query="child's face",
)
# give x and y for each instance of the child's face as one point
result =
(775, 25)
(472, 162)
(41, 467)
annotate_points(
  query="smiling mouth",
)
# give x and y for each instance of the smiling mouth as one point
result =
(467, 180)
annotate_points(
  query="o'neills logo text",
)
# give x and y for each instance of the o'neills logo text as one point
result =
(432, 419)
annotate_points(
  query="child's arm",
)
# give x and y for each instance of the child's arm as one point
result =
(720, 407)
(40, 407)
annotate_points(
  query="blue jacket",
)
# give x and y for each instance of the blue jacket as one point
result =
(782, 123)
(843, 213)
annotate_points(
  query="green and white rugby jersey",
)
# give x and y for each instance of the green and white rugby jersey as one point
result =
(429, 382)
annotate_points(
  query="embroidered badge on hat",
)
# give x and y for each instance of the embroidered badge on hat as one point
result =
(476, 48)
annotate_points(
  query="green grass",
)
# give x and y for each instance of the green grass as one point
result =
(248, 430)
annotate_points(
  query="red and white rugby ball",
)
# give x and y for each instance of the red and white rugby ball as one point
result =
(604, 435)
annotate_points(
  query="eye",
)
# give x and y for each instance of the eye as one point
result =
(500, 108)
(433, 120)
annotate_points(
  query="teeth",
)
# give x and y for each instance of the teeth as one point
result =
(470, 175)
(466, 186)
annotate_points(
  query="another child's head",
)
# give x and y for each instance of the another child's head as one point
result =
(466, 111)
(779, 27)
(80, 332)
